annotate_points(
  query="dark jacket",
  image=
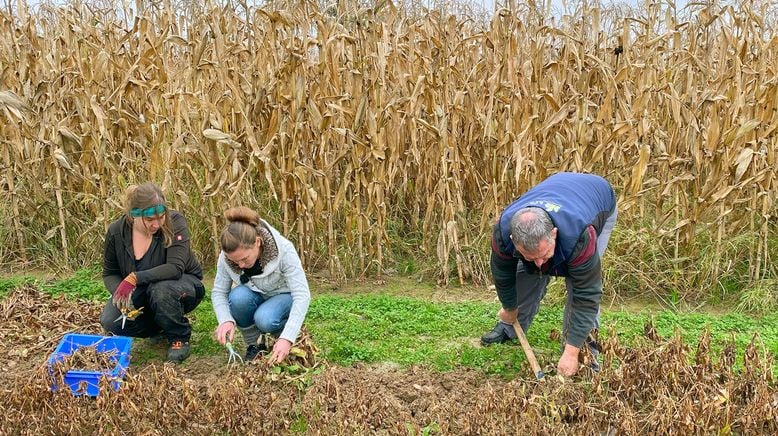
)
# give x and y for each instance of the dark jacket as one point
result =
(579, 205)
(169, 263)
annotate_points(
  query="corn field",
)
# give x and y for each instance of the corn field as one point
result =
(368, 134)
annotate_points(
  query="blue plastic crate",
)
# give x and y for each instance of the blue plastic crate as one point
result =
(88, 382)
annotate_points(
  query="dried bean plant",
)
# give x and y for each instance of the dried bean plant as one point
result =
(656, 386)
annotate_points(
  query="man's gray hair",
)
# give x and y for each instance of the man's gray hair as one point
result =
(529, 226)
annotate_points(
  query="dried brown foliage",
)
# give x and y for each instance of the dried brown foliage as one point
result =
(32, 323)
(87, 359)
(657, 387)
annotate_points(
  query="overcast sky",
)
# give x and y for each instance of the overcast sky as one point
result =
(557, 6)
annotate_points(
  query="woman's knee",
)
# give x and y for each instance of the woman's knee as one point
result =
(241, 296)
(271, 316)
(108, 316)
(270, 324)
(107, 323)
(165, 290)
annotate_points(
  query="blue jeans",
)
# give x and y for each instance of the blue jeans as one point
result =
(249, 308)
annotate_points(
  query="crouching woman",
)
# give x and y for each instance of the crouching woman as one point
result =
(271, 293)
(148, 264)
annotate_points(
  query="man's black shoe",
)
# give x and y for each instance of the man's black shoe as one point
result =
(500, 333)
(253, 350)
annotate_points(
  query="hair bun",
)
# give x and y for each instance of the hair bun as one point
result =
(242, 214)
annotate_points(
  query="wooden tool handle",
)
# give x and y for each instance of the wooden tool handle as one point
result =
(528, 351)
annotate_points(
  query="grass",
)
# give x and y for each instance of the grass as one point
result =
(397, 330)
(86, 284)
(405, 331)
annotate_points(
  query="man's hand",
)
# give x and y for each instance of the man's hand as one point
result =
(280, 350)
(122, 296)
(225, 332)
(568, 363)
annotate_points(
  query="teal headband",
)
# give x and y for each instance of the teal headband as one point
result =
(158, 209)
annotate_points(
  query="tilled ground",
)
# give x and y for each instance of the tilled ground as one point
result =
(659, 387)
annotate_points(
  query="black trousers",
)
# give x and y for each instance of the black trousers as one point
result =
(164, 305)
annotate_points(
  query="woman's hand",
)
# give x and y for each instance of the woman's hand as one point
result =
(280, 351)
(122, 296)
(225, 332)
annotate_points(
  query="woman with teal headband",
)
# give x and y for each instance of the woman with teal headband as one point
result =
(151, 272)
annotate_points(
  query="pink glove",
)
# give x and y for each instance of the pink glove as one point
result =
(122, 297)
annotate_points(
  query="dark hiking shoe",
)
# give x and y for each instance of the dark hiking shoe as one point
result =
(253, 350)
(500, 333)
(178, 351)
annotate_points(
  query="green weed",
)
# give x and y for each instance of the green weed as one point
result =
(429, 429)
(85, 284)
(203, 321)
(299, 425)
(8, 284)
(406, 331)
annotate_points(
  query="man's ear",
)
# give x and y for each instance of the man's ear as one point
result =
(553, 233)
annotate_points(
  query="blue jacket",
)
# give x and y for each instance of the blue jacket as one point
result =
(573, 201)
(579, 205)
